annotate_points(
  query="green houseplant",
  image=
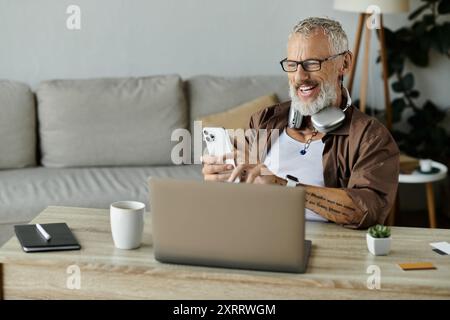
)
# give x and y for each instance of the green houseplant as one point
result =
(380, 231)
(427, 137)
(379, 240)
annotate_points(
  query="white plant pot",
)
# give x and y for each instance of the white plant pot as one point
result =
(378, 246)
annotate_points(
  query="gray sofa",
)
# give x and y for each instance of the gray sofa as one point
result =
(90, 142)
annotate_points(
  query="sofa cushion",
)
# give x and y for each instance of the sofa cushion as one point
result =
(212, 94)
(238, 117)
(110, 122)
(24, 193)
(17, 126)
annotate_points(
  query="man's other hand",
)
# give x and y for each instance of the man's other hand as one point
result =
(257, 174)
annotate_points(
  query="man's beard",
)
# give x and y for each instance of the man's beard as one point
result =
(327, 96)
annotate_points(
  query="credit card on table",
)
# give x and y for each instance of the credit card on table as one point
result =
(417, 266)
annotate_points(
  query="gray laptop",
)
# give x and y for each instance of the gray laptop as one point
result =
(245, 226)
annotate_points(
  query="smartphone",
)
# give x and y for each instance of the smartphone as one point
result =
(218, 143)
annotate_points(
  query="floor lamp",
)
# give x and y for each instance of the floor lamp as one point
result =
(368, 22)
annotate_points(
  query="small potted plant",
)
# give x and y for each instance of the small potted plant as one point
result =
(379, 240)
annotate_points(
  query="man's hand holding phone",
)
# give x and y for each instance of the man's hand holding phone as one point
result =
(215, 168)
(221, 158)
(228, 165)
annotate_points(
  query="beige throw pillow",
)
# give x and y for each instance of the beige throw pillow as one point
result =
(238, 117)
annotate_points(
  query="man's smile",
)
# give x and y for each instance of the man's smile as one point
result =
(308, 90)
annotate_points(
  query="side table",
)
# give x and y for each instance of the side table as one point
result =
(439, 173)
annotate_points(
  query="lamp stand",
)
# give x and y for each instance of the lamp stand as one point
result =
(365, 66)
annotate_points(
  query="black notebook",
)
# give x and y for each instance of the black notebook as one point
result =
(32, 240)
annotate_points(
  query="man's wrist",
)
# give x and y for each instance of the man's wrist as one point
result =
(280, 181)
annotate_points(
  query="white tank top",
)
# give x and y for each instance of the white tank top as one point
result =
(307, 168)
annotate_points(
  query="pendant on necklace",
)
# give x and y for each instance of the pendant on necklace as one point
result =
(302, 152)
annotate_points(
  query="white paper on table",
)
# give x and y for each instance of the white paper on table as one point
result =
(442, 246)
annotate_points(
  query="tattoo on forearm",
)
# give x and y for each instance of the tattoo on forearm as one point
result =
(331, 209)
(312, 194)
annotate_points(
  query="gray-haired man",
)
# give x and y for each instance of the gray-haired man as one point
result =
(351, 173)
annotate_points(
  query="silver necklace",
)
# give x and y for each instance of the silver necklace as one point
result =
(308, 142)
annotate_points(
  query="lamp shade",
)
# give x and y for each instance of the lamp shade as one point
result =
(386, 6)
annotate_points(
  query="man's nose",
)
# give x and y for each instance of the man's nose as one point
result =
(301, 75)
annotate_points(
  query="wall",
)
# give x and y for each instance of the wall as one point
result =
(141, 37)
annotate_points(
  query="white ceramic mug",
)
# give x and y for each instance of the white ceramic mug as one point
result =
(425, 165)
(127, 223)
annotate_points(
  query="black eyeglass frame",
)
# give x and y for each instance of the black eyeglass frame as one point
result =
(320, 61)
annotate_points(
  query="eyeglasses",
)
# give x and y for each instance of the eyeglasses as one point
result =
(308, 65)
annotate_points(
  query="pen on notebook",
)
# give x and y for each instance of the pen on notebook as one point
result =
(43, 232)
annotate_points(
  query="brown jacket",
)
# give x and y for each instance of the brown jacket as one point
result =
(360, 157)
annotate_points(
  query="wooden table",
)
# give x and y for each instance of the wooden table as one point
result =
(337, 268)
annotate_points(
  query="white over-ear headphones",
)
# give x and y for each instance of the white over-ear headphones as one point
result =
(326, 120)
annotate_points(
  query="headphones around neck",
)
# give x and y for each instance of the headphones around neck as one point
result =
(326, 120)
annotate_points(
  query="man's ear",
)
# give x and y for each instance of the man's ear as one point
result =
(347, 63)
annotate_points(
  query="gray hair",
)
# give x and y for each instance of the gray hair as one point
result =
(333, 29)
